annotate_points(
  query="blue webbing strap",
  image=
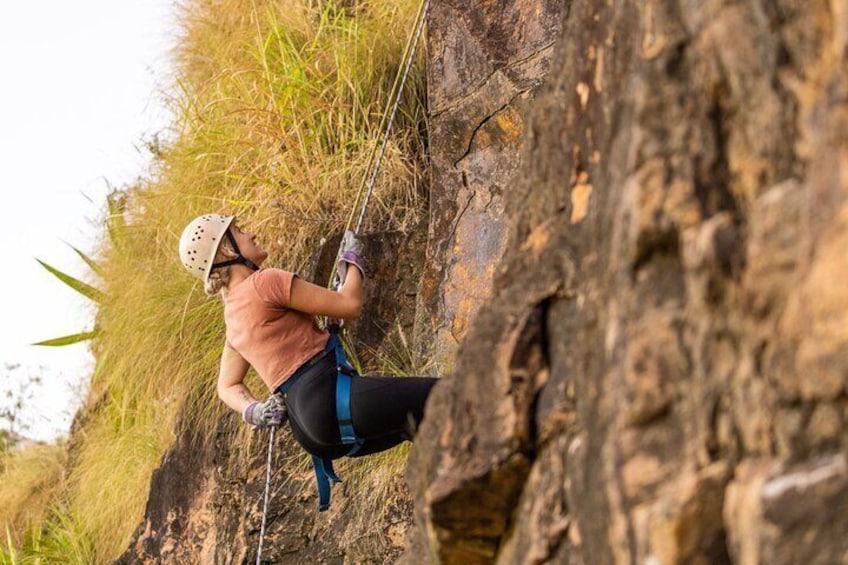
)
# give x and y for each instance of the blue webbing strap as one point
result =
(343, 379)
(343, 409)
(324, 473)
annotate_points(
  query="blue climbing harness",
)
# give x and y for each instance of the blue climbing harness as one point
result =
(324, 472)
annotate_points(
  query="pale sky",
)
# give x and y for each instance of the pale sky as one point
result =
(81, 87)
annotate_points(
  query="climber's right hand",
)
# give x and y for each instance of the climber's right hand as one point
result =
(266, 414)
(351, 255)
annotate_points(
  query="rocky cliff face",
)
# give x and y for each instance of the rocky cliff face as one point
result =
(658, 374)
(634, 268)
(486, 59)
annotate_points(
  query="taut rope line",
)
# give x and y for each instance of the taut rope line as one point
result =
(387, 121)
(411, 48)
(267, 491)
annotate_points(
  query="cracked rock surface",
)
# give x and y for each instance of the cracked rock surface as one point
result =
(657, 373)
(486, 61)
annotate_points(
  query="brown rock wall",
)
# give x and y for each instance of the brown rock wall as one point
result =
(658, 374)
(486, 60)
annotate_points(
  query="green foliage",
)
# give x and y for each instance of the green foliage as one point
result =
(70, 339)
(83, 288)
(8, 554)
(60, 539)
(31, 480)
(88, 261)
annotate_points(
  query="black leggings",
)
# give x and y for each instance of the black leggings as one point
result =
(385, 410)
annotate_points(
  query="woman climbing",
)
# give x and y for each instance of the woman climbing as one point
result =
(270, 325)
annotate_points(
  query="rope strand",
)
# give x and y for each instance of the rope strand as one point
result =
(395, 93)
(387, 121)
(419, 28)
(267, 491)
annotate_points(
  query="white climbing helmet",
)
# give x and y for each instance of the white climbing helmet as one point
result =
(200, 241)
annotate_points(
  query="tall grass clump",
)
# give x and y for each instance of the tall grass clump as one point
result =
(276, 107)
(60, 538)
(32, 477)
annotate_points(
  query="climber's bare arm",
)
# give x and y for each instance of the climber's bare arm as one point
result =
(313, 299)
(231, 388)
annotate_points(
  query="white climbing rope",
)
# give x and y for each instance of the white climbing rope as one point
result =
(267, 492)
(387, 121)
(411, 48)
(386, 125)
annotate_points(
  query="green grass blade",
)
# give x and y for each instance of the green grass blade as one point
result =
(83, 288)
(88, 260)
(7, 555)
(69, 339)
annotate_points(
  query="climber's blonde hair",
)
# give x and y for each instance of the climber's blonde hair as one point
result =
(219, 279)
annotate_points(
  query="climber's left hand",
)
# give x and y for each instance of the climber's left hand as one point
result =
(266, 414)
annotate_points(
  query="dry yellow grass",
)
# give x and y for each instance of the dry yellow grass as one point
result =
(276, 106)
(37, 474)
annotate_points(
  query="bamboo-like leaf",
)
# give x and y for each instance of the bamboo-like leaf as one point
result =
(88, 260)
(83, 288)
(70, 339)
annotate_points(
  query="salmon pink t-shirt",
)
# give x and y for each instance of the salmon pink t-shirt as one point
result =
(273, 338)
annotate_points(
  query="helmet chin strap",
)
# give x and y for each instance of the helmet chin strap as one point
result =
(240, 259)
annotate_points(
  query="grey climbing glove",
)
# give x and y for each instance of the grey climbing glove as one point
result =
(272, 412)
(351, 255)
